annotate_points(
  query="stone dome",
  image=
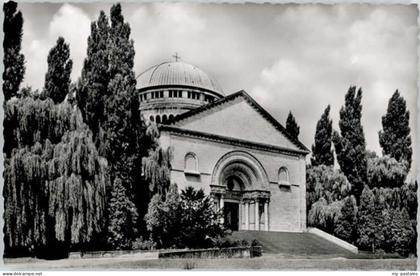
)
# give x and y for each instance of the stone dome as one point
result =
(177, 73)
(169, 89)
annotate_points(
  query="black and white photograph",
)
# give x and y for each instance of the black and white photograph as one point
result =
(209, 136)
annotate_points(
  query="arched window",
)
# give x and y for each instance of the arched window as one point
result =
(171, 117)
(191, 163)
(152, 119)
(284, 176)
(157, 119)
(164, 119)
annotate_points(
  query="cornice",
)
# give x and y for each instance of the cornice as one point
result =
(231, 141)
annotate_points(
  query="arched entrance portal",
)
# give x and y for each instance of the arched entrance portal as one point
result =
(240, 187)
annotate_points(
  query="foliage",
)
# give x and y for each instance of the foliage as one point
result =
(350, 145)
(395, 138)
(325, 182)
(57, 79)
(141, 244)
(31, 120)
(370, 221)
(228, 241)
(199, 219)
(13, 60)
(157, 170)
(322, 153)
(346, 224)
(93, 83)
(162, 218)
(291, 126)
(121, 140)
(54, 188)
(409, 199)
(186, 220)
(385, 172)
(325, 215)
(399, 234)
(110, 106)
(122, 218)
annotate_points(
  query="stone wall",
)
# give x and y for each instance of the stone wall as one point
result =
(231, 252)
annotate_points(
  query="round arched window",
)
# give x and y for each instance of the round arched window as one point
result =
(191, 163)
(283, 176)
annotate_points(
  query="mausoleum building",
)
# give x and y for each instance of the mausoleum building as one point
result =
(229, 146)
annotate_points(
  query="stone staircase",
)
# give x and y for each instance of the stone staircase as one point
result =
(294, 244)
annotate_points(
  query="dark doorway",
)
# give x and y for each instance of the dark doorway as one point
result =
(231, 214)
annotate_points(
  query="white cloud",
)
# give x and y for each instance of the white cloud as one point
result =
(288, 57)
(332, 51)
(73, 24)
(70, 22)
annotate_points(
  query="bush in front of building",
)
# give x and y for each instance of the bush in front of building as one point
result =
(183, 220)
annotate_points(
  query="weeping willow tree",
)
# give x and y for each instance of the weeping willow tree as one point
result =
(25, 200)
(32, 120)
(157, 170)
(54, 192)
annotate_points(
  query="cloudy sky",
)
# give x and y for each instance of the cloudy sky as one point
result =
(288, 57)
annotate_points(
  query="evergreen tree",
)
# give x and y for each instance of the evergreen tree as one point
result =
(370, 221)
(122, 218)
(57, 79)
(291, 126)
(395, 138)
(13, 61)
(346, 224)
(399, 235)
(350, 145)
(322, 153)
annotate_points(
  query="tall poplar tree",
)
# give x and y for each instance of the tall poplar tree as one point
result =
(93, 85)
(291, 126)
(350, 145)
(322, 153)
(122, 127)
(13, 60)
(394, 137)
(57, 78)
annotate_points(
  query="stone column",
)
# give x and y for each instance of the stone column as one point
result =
(257, 215)
(222, 204)
(240, 216)
(266, 215)
(247, 215)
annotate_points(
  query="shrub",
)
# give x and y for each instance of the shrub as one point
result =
(188, 220)
(141, 244)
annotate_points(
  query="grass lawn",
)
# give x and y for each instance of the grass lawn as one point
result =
(267, 262)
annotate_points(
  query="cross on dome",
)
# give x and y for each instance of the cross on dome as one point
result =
(176, 56)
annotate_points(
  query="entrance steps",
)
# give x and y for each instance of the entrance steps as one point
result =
(294, 243)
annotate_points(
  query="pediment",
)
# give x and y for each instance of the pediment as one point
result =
(238, 116)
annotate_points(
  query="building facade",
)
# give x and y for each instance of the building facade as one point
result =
(230, 147)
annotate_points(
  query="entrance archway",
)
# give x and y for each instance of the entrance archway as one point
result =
(240, 187)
